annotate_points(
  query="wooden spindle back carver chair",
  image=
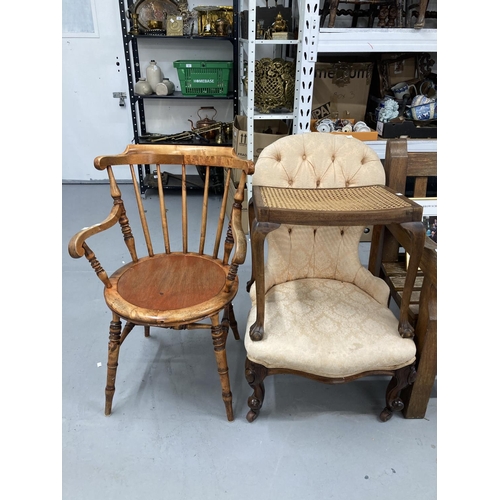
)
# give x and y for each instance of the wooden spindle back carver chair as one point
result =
(387, 262)
(171, 287)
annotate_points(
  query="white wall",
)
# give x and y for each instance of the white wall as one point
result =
(93, 123)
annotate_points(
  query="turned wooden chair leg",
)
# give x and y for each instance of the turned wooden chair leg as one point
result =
(420, 22)
(255, 375)
(333, 12)
(116, 338)
(402, 378)
(146, 331)
(422, 8)
(113, 352)
(219, 336)
(229, 321)
(324, 13)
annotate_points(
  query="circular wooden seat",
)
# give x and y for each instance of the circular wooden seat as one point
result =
(169, 289)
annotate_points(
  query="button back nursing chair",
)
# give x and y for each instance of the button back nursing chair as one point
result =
(178, 288)
(316, 310)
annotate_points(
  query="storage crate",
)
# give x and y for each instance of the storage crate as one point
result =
(204, 77)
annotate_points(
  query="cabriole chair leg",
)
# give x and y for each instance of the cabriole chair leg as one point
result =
(401, 379)
(255, 375)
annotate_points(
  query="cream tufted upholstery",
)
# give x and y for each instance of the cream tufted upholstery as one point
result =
(325, 314)
(317, 160)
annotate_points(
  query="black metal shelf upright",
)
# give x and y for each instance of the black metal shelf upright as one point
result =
(131, 50)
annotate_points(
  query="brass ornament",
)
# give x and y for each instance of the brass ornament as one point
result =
(135, 24)
(174, 25)
(150, 10)
(274, 84)
(214, 20)
(279, 24)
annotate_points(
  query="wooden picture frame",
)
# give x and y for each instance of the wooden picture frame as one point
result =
(429, 218)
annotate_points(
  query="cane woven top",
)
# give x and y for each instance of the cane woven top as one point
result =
(334, 206)
(350, 199)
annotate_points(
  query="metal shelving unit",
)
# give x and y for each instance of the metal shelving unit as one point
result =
(305, 58)
(311, 41)
(314, 40)
(369, 40)
(132, 60)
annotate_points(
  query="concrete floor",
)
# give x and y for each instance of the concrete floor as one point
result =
(168, 437)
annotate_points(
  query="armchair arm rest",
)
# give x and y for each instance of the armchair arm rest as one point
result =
(412, 236)
(238, 234)
(239, 238)
(76, 245)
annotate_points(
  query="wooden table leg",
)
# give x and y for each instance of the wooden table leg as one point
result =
(251, 219)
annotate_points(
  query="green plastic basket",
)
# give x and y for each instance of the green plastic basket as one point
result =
(204, 77)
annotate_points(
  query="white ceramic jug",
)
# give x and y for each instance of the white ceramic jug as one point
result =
(142, 87)
(153, 74)
(166, 87)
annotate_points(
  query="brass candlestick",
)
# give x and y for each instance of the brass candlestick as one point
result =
(135, 24)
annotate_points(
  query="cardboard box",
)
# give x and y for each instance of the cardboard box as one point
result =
(233, 186)
(341, 89)
(397, 69)
(394, 68)
(362, 136)
(261, 138)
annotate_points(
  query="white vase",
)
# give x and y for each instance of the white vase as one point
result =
(142, 87)
(153, 74)
(166, 87)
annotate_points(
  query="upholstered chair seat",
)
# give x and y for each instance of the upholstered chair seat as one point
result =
(328, 328)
